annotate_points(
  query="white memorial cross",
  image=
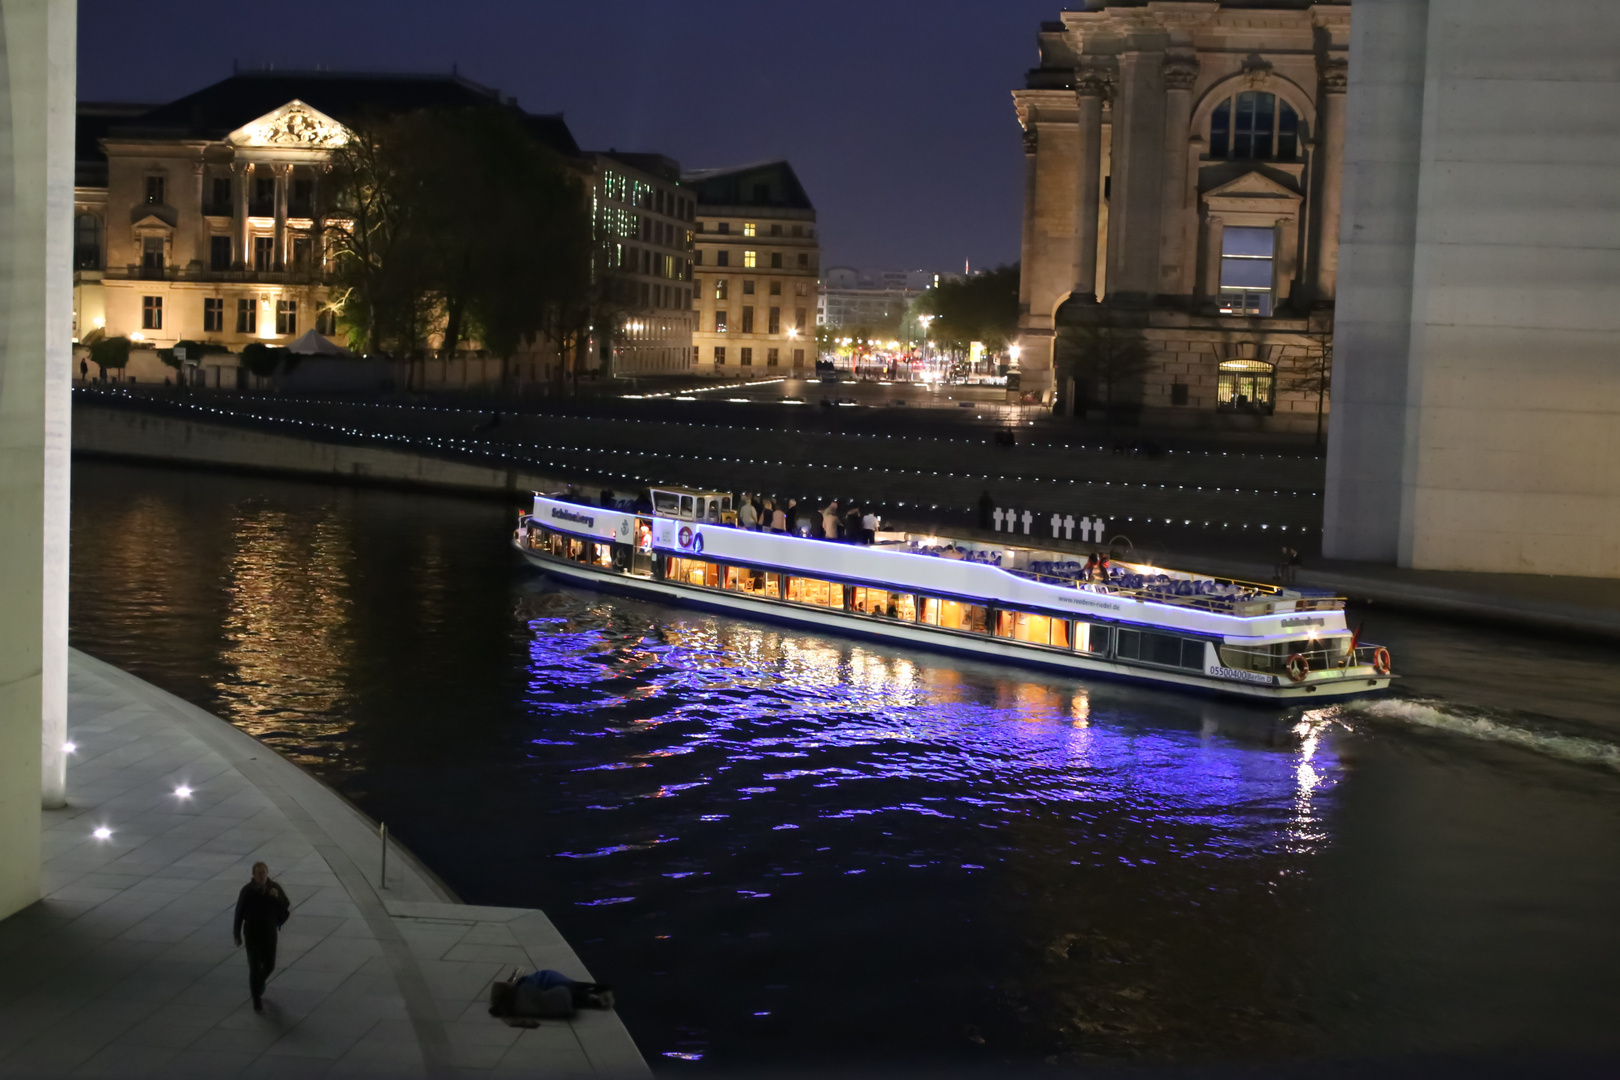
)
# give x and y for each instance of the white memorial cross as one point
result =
(1029, 518)
(999, 515)
(1068, 528)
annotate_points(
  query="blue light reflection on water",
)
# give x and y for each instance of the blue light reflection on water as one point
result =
(779, 697)
(836, 772)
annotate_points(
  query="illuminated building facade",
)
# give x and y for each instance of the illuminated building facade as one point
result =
(643, 219)
(201, 219)
(756, 273)
(1182, 174)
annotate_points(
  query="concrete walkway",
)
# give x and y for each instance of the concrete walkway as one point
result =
(127, 967)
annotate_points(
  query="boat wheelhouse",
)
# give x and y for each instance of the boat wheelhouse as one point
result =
(993, 601)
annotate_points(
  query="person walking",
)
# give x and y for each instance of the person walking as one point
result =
(261, 909)
(84, 372)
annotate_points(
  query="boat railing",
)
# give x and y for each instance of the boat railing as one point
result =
(1252, 598)
(1265, 661)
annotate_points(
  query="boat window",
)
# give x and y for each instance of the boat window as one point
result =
(714, 510)
(604, 554)
(1035, 629)
(692, 572)
(1091, 637)
(1166, 649)
(955, 615)
(885, 604)
(688, 507)
(742, 579)
(666, 502)
(559, 545)
(812, 591)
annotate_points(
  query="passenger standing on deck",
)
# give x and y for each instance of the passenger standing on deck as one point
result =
(829, 520)
(779, 519)
(747, 516)
(869, 526)
(261, 909)
(793, 516)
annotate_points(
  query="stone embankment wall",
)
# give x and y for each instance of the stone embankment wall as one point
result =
(143, 436)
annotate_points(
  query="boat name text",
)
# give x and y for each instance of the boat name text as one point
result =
(1238, 675)
(570, 515)
(1289, 624)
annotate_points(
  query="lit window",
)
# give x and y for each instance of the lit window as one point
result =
(721, 287)
(719, 322)
(749, 228)
(1247, 255)
(1246, 386)
(750, 259)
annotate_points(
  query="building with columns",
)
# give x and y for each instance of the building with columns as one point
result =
(200, 219)
(756, 273)
(1182, 170)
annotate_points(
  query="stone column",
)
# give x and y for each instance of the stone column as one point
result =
(1287, 257)
(38, 49)
(1180, 73)
(1026, 245)
(1335, 74)
(199, 236)
(1089, 91)
(242, 179)
(1209, 287)
(281, 173)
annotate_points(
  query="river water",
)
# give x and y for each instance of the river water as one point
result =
(784, 849)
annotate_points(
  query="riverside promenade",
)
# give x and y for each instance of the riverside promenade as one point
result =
(127, 967)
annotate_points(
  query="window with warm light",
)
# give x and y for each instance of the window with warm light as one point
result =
(719, 322)
(1246, 386)
(750, 259)
(750, 229)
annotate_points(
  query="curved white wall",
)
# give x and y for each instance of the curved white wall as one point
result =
(37, 54)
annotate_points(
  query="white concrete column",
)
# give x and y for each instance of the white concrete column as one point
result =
(242, 181)
(1088, 187)
(1330, 168)
(38, 43)
(1180, 73)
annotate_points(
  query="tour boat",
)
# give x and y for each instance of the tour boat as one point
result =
(991, 601)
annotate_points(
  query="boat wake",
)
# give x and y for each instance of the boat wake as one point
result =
(1480, 724)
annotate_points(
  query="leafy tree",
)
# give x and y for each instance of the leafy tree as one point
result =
(462, 220)
(109, 352)
(983, 307)
(263, 360)
(1102, 354)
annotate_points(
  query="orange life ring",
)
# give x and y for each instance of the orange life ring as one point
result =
(1298, 667)
(1381, 660)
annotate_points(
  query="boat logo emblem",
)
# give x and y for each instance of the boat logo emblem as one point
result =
(689, 539)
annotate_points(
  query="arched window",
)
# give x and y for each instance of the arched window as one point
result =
(86, 242)
(1246, 386)
(1254, 125)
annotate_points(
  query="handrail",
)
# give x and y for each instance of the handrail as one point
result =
(1363, 655)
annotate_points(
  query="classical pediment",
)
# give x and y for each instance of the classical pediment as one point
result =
(1252, 185)
(150, 222)
(294, 126)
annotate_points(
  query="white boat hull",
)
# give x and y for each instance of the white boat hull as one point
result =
(1317, 686)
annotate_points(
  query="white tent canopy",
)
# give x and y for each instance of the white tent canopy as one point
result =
(313, 344)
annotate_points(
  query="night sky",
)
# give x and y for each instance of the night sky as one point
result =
(897, 116)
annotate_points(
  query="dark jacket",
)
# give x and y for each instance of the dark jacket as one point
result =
(259, 909)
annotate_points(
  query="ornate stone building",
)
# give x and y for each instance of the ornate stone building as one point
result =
(1182, 177)
(757, 272)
